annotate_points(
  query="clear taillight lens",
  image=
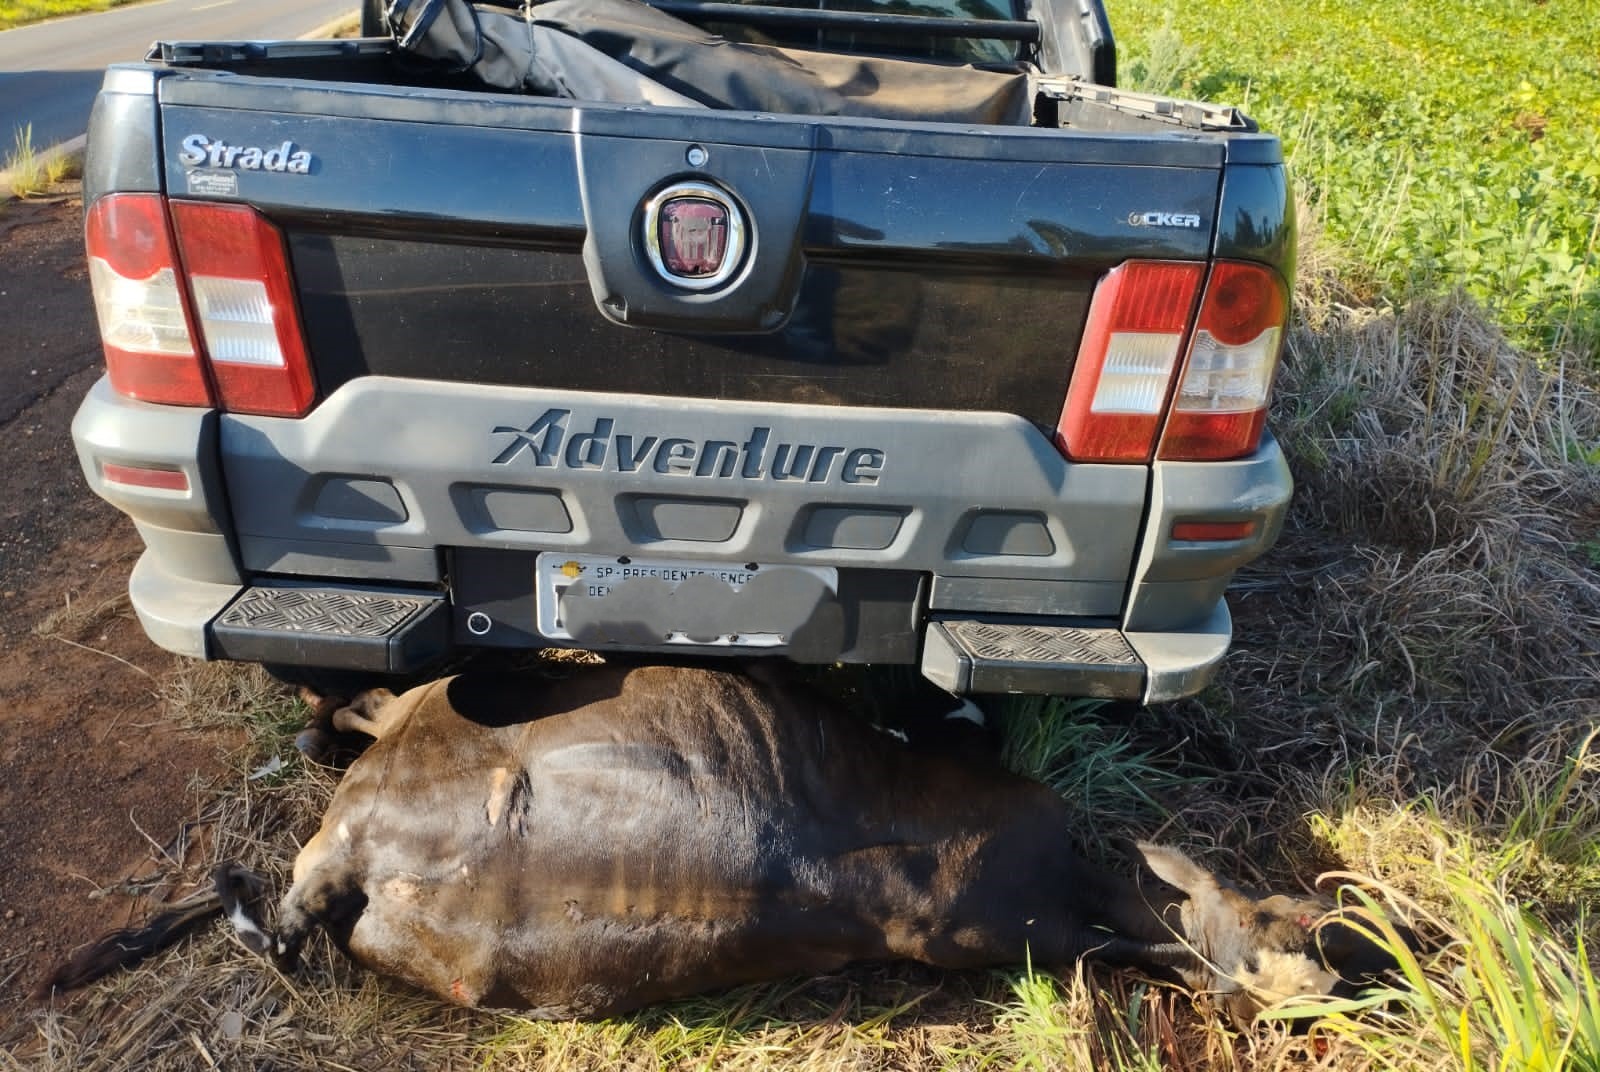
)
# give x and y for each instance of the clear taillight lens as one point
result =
(143, 316)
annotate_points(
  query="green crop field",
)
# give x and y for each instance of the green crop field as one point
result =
(1452, 142)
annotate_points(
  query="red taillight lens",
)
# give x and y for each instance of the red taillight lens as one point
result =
(1137, 326)
(144, 321)
(217, 270)
(140, 476)
(1220, 408)
(244, 303)
(1206, 531)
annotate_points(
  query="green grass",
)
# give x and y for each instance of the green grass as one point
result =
(20, 14)
(1507, 991)
(1449, 143)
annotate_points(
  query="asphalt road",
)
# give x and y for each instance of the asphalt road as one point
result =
(50, 71)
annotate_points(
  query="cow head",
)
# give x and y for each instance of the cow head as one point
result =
(1253, 951)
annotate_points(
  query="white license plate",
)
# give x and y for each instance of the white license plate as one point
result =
(596, 575)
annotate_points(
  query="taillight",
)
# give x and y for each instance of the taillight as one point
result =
(1220, 407)
(244, 303)
(1138, 329)
(1137, 325)
(144, 324)
(203, 301)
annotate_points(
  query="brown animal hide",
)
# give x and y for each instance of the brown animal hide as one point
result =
(583, 847)
(587, 846)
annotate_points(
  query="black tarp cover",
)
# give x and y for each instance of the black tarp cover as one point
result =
(624, 51)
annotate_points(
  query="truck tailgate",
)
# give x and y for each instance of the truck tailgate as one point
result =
(483, 239)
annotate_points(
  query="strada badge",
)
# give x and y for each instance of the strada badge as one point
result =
(756, 457)
(200, 151)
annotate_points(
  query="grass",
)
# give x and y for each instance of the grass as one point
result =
(29, 171)
(1453, 143)
(1411, 708)
(26, 11)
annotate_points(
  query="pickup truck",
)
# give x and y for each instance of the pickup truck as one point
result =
(863, 332)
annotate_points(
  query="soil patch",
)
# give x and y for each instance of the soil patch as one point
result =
(96, 783)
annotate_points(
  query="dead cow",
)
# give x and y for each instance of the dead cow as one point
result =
(583, 847)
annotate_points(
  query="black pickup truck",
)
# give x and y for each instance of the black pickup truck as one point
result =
(867, 331)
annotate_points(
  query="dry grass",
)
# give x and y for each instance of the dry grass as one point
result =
(31, 171)
(1412, 702)
(78, 620)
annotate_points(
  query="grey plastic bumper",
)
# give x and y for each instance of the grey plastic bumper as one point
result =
(1178, 583)
(385, 472)
(970, 656)
(175, 610)
(187, 573)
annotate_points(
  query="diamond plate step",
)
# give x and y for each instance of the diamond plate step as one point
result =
(337, 628)
(975, 656)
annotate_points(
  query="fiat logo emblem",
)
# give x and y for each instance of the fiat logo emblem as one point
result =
(695, 235)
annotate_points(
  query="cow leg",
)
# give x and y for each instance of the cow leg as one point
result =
(373, 713)
(370, 713)
(317, 741)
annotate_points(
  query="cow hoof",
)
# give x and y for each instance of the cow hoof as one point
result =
(315, 743)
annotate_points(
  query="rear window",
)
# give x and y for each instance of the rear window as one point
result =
(902, 43)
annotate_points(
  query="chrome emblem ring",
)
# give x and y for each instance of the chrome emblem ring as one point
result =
(695, 235)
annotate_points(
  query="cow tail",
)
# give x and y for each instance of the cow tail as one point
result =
(128, 947)
(325, 898)
(243, 893)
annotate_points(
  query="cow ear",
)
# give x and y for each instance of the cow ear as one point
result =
(1176, 869)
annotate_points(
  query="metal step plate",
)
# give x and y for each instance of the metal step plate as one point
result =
(976, 656)
(342, 628)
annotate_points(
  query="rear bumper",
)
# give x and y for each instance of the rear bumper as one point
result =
(970, 537)
(188, 571)
(404, 632)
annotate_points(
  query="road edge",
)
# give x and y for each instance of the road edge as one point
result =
(332, 27)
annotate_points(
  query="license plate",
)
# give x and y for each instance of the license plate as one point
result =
(597, 576)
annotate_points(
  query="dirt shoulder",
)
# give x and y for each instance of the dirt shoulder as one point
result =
(94, 782)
